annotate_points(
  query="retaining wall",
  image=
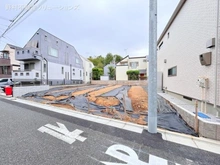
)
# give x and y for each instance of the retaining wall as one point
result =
(19, 91)
(206, 129)
(119, 82)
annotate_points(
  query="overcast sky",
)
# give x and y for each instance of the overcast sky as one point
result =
(93, 27)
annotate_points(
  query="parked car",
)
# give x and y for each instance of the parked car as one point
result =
(7, 82)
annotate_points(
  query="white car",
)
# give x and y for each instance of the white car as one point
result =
(7, 82)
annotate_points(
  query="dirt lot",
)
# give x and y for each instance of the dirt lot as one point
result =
(104, 101)
(139, 98)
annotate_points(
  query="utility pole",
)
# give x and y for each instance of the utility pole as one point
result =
(152, 83)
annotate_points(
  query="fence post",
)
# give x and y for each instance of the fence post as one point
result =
(196, 118)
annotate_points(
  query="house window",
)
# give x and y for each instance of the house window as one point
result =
(161, 44)
(45, 37)
(17, 52)
(52, 52)
(134, 65)
(90, 65)
(45, 67)
(22, 52)
(172, 71)
(144, 60)
(62, 70)
(37, 46)
(86, 73)
(16, 74)
(28, 51)
(80, 73)
(77, 60)
(37, 74)
(73, 74)
(28, 66)
(21, 74)
(27, 74)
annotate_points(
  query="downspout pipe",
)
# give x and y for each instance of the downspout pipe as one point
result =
(216, 55)
(47, 71)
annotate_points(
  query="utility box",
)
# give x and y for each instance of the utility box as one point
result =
(205, 58)
(203, 82)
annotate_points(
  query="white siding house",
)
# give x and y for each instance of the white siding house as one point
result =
(87, 68)
(131, 63)
(49, 60)
(187, 37)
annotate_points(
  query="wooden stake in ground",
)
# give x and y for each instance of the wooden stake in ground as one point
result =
(124, 104)
(196, 118)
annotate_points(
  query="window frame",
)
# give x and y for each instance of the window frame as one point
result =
(172, 74)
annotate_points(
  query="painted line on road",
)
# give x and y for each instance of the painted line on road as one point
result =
(62, 133)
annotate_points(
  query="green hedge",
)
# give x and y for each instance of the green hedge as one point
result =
(133, 74)
(96, 73)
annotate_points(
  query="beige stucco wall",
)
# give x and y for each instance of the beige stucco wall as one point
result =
(121, 72)
(142, 64)
(193, 27)
(12, 57)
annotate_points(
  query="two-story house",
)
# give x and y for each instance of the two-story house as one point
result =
(189, 54)
(12, 50)
(87, 70)
(49, 60)
(131, 63)
(5, 64)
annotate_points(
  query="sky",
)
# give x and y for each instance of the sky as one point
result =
(93, 27)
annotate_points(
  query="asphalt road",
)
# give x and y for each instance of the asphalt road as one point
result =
(31, 136)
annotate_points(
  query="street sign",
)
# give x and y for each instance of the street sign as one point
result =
(129, 156)
(62, 133)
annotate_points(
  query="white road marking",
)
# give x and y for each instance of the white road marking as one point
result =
(62, 133)
(131, 158)
(57, 135)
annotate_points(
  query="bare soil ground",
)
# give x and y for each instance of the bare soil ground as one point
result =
(104, 101)
(107, 101)
(82, 92)
(137, 94)
(52, 98)
(139, 98)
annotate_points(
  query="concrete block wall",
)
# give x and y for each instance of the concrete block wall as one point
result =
(19, 91)
(119, 82)
(207, 129)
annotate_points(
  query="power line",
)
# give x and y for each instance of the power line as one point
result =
(22, 10)
(29, 14)
(18, 17)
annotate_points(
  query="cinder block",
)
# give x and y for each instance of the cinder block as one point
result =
(218, 132)
(209, 130)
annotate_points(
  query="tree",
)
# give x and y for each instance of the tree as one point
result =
(109, 58)
(96, 73)
(111, 72)
(100, 61)
(118, 58)
(133, 74)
